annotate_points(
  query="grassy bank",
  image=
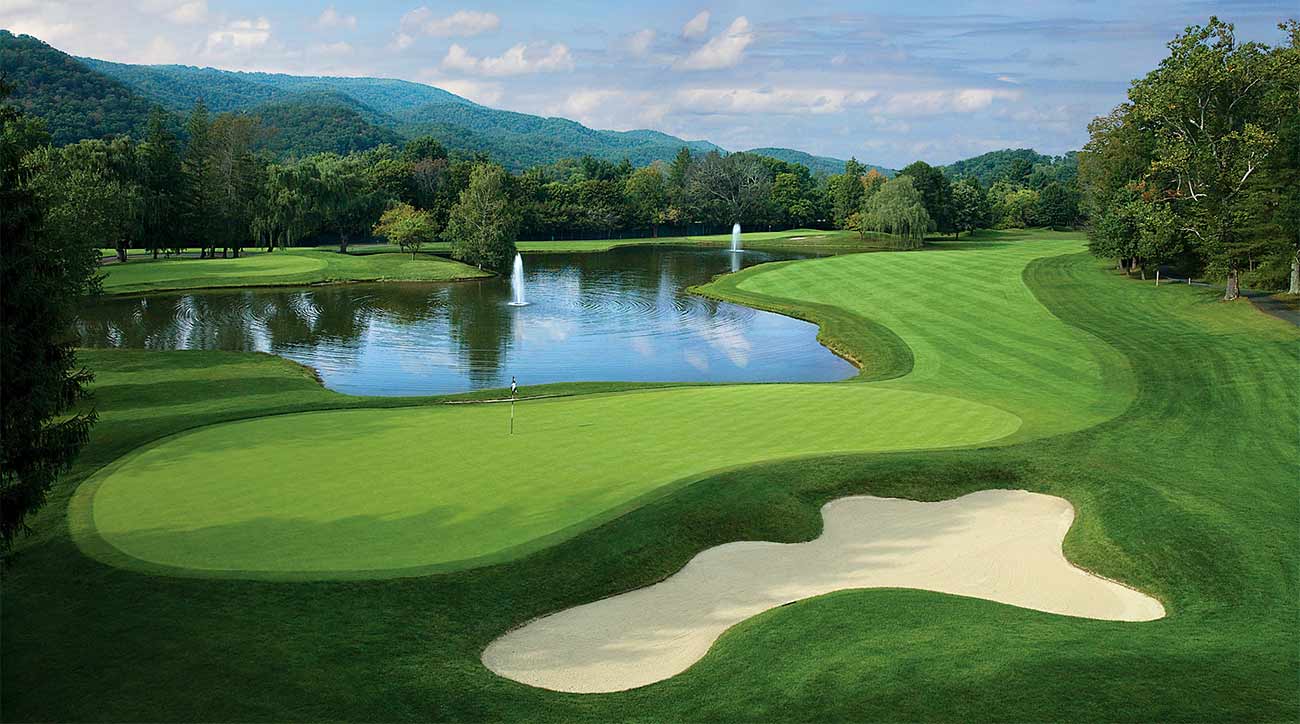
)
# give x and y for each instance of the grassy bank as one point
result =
(284, 267)
(385, 262)
(1185, 492)
(268, 497)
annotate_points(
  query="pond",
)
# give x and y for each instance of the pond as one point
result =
(621, 315)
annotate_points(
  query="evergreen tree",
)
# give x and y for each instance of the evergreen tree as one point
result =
(48, 266)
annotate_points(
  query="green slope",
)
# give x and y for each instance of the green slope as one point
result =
(74, 101)
(1188, 494)
(817, 164)
(257, 498)
(316, 122)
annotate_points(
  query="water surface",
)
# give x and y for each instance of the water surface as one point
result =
(619, 315)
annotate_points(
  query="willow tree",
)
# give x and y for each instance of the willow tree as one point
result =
(898, 209)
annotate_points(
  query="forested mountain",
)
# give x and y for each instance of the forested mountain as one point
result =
(310, 123)
(177, 87)
(85, 97)
(517, 140)
(521, 140)
(1015, 164)
(75, 101)
(817, 164)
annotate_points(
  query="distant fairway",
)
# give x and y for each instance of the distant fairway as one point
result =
(385, 491)
(284, 267)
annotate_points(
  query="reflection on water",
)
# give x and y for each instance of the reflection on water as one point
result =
(620, 315)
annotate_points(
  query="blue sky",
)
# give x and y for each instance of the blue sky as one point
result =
(888, 82)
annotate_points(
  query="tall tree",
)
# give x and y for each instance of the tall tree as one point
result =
(936, 193)
(161, 180)
(348, 204)
(970, 206)
(484, 224)
(199, 196)
(738, 184)
(647, 197)
(47, 267)
(1215, 123)
(234, 174)
(1058, 206)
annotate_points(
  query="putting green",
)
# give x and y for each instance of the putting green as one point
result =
(365, 490)
(367, 493)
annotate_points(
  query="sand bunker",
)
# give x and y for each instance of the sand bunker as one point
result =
(1001, 545)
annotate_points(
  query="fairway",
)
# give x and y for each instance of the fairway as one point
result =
(1198, 514)
(283, 267)
(272, 497)
(389, 497)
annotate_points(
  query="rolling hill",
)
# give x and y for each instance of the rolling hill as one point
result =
(75, 102)
(817, 164)
(86, 97)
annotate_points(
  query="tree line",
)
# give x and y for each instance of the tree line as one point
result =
(216, 192)
(1200, 167)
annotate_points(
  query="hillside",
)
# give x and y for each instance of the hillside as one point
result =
(817, 164)
(86, 97)
(178, 86)
(75, 101)
(1014, 163)
(320, 121)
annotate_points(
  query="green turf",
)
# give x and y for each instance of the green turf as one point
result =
(811, 240)
(305, 493)
(1188, 494)
(289, 266)
(267, 496)
(385, 262)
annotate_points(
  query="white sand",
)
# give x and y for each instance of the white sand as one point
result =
(1001, 545)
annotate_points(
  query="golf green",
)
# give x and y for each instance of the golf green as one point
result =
(376, 492)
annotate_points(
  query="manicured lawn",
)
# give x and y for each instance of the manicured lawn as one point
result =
(1187, 493)
(385, 262)
(273, 496)
(345, 493)
(287, 266)
(811, 240)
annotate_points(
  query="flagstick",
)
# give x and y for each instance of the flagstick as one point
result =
(512, 414)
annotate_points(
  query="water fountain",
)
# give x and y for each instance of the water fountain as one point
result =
(517, 282)
(735, 238)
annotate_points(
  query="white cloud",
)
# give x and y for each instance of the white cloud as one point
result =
(332, 18)
(615, 109)
(639, 43)
(696, 26)
(462, 23)
(840, 59)
(722, 51)
(485, 92)
(521, 59)
(189, 13)
(240, 35)
(51, 31)
(936, 102)
(160, 50)
(183, 12)
(778, 101)
(339, 48)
